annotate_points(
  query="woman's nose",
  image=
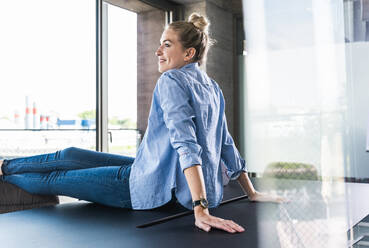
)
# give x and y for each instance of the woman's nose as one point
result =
(158, 51)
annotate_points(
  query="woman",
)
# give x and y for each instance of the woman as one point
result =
(180, 154)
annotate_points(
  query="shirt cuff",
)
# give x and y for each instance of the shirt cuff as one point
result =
(233, 175)
(187, 160)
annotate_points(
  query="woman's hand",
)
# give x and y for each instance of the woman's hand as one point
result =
(254, 195)
(262, 197)
(205, 221)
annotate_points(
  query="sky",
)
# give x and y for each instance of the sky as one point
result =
(48, 53)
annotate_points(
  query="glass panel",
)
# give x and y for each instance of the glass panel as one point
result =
(296, 85)
(305, 90)
(19, 143)
(124, 142)
(47, 75)
(122, 80)
(357, 59)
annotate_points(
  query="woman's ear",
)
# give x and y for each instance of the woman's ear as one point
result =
(190, 54)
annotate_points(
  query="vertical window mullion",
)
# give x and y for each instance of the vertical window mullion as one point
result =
(101, 78)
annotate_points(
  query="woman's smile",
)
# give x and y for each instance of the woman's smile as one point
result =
(170, 52)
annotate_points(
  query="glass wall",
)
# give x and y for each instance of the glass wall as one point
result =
(47, 76)
(305, 85)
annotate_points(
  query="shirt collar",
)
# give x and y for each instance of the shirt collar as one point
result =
(191, 66)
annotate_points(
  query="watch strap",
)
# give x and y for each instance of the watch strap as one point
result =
(202, 202)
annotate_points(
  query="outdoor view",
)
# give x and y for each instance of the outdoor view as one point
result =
(122, 81)
(48, 77)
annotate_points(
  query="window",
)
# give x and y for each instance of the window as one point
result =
(122, 80)
(47, 75)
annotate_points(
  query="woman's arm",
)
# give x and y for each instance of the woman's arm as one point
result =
(246, 185)
(178, 115)
(203, 219)
(254, 195)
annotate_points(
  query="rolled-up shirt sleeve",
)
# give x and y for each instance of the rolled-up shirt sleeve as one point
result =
(230, 155)
(178, 115)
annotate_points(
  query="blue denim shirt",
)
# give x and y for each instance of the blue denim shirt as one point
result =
(186, 126)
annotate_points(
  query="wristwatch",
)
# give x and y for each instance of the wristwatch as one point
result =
(202, 202)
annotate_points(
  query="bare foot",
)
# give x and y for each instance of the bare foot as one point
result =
(1, 164)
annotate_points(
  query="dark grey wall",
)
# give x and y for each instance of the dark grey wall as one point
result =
(219, 66)
(149, 29)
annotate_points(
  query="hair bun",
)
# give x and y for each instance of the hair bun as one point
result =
(199, 21)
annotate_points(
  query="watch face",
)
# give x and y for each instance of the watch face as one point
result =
(204, 203)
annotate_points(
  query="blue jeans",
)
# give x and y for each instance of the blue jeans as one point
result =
(87, 175)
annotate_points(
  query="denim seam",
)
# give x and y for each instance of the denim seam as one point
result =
(74, 161)
(76, 177)
(56, 169)
(48, 162)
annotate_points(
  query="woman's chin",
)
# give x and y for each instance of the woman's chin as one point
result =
(162, 69)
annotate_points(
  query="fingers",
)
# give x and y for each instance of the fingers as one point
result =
(279, 199)
(234, 226)
(262, 197)
(226, 225)
(284, 200)
(230, 226)
(205, 227)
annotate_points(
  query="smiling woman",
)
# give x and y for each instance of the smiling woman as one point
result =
(180, 157)
(184, 42)
(171, 53)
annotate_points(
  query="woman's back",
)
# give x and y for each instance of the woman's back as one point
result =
(185, 128)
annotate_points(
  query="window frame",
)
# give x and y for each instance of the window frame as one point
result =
(173, 11)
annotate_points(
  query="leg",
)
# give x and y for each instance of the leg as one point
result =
(105, 185)
(68, 159)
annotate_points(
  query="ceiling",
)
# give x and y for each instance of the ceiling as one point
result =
(132, 5)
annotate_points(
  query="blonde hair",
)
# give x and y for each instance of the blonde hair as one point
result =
(194, 33)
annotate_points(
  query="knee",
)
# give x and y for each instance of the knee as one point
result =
(68, 152)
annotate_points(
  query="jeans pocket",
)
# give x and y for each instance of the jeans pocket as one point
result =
(124, 172)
